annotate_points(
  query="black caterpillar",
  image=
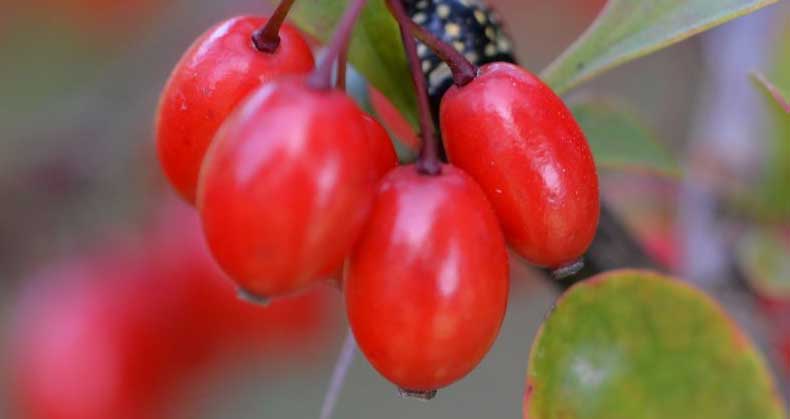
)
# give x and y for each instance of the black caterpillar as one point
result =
(470, 26)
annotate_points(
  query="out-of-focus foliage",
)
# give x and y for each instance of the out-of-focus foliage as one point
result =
(628, 29)
(619, 138)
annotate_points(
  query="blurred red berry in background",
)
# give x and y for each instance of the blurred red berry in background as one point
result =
(118, 331)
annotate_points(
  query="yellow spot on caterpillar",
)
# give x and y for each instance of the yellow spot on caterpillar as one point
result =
(443, 11)
(452, 29)
(490, 33)
(439, 75)
(481, 17)
(426, 65)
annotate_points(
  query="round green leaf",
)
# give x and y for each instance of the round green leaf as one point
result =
(619, 139)
(634, 344)
(629, 29)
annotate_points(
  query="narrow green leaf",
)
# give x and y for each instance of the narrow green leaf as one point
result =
(619, 139)
(771, 200)
(635, 344)
(772, 92)
(376, 50)
(628, 29)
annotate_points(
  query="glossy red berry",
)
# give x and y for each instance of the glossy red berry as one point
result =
(286, 187)
(427, 283)
(383, 154)
(216, 73)
(384, 159)
(517, 139)
(393, 120)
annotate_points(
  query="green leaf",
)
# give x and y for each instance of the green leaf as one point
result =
(619, 139)
(376, 50)
(772, 197)
(771, 200)
(774, 94)
(764, 256)
(635, 344)
(628, 29)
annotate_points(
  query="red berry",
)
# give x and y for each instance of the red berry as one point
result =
(384, 159)
(394, 121)
(383, 153)
(515, 136)
(427, 283)
(286, 187)
(216, 73)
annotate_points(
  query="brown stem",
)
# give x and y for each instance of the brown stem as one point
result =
(322, 76)
(342, 62)
(428, 162)
(463, 71)
(267, 38)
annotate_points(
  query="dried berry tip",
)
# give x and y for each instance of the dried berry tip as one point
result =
(252, 298)
(417, 394)
(567, 270)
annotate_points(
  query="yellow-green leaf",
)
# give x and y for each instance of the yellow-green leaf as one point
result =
(635, 344)
(772, 197)
(773, 92)
(619, 139)
(628, 29)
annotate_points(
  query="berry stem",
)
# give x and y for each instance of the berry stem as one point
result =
(428, 162)
(342, 62)
(339, 374)
(267, 38)
(322, 76)
(463, 71)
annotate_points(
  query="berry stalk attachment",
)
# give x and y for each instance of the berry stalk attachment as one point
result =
(267, 38)
(428, 162)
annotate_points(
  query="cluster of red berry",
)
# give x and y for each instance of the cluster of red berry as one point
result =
(295, 184)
